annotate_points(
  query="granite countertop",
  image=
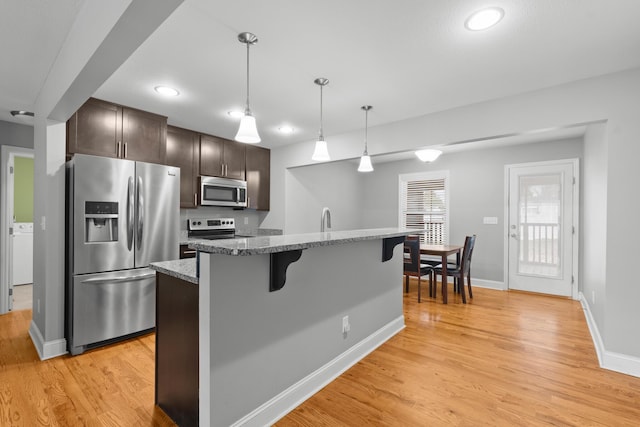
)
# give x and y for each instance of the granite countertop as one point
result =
(183, 269)
(288, 242)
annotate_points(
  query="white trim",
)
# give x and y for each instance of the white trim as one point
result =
(488, 284)
(618, 362)
(46, 349)
(7, 151)
(575, 162)
(276, 408)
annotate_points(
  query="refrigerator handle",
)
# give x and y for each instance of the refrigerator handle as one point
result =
(140, 208)
(130, 213)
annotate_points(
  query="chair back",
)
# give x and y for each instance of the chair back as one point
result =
(412, 263)
(467, 251)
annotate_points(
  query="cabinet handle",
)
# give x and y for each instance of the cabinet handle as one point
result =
(118, 149)
(195, 199)
(222, 169)
(248, 202)
(125, 150)
(188, 252)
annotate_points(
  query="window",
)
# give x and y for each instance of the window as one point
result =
(424, 204)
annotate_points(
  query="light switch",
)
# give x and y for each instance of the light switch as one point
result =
(490, 220)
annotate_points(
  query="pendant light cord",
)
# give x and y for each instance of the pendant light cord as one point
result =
(321, 132)
(247, 110)
(366, 130)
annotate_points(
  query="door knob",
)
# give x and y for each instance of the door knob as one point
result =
(514, 235)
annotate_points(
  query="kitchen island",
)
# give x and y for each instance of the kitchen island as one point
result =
(279, 317)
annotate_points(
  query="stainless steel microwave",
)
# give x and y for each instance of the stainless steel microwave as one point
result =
(223, 192)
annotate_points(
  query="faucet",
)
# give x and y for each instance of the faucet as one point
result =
(326, 218)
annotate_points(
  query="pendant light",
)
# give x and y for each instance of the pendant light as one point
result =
(321, 154)
(247, 132)
(365, 160)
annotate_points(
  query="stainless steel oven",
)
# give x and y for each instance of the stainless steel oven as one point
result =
(223, 192)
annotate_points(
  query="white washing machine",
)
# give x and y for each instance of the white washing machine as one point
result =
(22, 254)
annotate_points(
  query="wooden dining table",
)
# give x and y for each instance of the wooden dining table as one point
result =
(443, 251)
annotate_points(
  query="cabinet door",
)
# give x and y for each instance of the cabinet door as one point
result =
(144, 136)
(258, 177)
(183, 151)
(96, 128)
(211, 149)
(234, 159)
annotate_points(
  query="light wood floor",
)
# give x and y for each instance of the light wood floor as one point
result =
(505, 359)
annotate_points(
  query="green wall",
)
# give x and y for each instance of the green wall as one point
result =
(23, 189)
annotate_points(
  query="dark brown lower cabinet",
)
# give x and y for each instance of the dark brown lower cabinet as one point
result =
(177, 349)
(186, 252)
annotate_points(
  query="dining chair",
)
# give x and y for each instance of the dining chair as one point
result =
(459, 272)
(413, 267)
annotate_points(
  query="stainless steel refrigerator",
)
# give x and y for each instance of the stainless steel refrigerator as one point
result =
(121, 215)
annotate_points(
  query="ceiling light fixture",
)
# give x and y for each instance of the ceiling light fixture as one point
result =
(236, 114)
(365, 160)
(321, 153)
(428, 155)
(285, 129)
(166, 91)
(15, 113)
(248, 132)
(483, 19)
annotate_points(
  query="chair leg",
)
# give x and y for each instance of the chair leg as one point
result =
(469, 284)
(461, 289)
(431, 284)
(406, 284)
(419, 287)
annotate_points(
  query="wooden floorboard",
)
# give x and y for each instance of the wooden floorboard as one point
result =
(506, 358)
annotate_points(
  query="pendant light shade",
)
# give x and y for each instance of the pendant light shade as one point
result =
(248, 132)
(365, 160)
(321, 153)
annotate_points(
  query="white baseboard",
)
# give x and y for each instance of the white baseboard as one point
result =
(276, 408)
(46, 349)
(489, 284)
(618, 362)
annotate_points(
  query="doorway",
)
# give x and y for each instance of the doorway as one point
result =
(16, 241)
(542, 226)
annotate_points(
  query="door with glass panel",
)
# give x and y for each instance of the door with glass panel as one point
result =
(540, 226)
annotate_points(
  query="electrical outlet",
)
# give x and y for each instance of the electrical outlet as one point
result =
(38, 305)
(246, 220)
(346, 327)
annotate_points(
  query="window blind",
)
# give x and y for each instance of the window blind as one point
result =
(424, 205)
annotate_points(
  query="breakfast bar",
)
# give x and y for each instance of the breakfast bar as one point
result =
(279, 317)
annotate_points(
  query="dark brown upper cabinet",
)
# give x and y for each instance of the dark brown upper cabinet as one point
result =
(222, 157)
(258, 167)
(183, 151)
(104, 129)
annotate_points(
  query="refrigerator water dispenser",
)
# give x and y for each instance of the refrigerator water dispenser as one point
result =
(101, 221)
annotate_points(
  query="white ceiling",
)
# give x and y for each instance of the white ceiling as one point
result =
(406, 58)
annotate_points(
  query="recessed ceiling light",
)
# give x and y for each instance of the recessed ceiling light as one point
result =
(285, 129)
(236, 114)
(15, 113)
(166, 91)
(483, 19)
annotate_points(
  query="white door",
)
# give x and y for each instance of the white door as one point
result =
(541, 227)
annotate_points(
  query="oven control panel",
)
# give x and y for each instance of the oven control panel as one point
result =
(211, 224)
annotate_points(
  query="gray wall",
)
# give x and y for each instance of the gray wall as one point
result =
(337, 186)
(371, 200)
(594, 219)
(476, 189)
(16, 134)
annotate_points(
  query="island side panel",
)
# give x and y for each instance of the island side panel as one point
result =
(262, 343)
(177, 349)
